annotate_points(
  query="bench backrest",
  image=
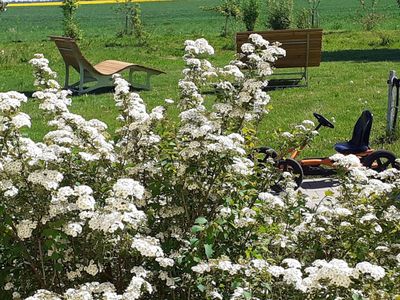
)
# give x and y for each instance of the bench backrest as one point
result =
(303, 46)
(71, 53)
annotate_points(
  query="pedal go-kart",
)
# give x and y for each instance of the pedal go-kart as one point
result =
(378, 160)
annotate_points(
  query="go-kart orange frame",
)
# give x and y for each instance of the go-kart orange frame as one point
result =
(378, 160)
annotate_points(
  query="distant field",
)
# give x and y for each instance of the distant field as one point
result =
(352, 76)
(175, 17)
(31, 3)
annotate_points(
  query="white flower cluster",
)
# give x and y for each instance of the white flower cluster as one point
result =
(184, 213)
(346, 161)
(25, 228)
(44, 76)
(199, 46)
(147, 246)
(94, 290)
(120, 209)
(136, 135)
(49, 179)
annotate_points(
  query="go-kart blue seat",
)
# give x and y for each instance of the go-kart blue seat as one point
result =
(360, 139)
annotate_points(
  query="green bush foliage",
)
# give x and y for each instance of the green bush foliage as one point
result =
(368, 16)
(230, 10)
(71, 27)
(280, 14)
(251, 11)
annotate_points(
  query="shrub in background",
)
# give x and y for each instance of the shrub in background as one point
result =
(250, 13)
(230, 10)
(368, 16)
(314, 13)
(280, 14)
(71, 27)
(133, 25)
(303, 19)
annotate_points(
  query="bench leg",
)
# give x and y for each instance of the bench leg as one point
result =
(147, 84)
(66, 84)
(131, 76)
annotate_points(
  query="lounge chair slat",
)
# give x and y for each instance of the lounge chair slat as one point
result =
(100, 73)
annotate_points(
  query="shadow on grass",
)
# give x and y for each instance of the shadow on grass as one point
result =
(368, 55)
(99, 91)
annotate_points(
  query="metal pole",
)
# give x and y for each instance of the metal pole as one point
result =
(390, 108)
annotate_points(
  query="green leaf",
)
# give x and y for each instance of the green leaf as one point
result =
(52, 233)
(201, 221)
(209, 250)
(194, 241)
(197, 228)
(201, 287)
(247, 295)
(328, 193)
(356, 297)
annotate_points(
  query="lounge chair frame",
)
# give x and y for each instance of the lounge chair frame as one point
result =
(101, 73)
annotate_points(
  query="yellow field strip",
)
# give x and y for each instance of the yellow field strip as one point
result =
(80, 2)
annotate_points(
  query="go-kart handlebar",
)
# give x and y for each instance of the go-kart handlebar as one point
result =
(322, 121)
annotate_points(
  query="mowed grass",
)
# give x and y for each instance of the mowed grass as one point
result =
(352, 76)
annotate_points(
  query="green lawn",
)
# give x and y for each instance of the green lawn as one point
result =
(352, 75)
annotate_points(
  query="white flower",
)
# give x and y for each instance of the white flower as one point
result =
(398, 259)
(346, 161)
(85, 200)
(216, 295)
(128, 187)
(242, 166)
(225, 212)
(258, 40)
(247, 48)
(376, 272)
(276, 271)
(25, 228)
(378, 228)
(73, 229)
(136, 288)
(91, 269)
(147, 246)
(8, 286)
(287, 135)
(201, 268)
(165, 262)
(49, 179)
(271, 200)
(292, 263)
(21, 120)
(368, 217)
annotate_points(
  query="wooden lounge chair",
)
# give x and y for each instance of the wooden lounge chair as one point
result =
(100, 74)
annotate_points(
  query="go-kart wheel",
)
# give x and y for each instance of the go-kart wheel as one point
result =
(267, 152)
(323, 121)
(291, 166)
(380, 161)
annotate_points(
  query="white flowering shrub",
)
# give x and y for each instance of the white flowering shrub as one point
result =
(183, 211)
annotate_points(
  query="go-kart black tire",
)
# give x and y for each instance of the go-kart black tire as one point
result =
(268, 151)
(380, 160)
(294, 168)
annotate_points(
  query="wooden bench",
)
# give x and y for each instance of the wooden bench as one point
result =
(303, 50)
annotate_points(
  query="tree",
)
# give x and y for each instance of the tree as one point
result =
(250, 13)
(230, 9)
(314, 12)
(133, 25)
(280, 14)
(71, 27)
